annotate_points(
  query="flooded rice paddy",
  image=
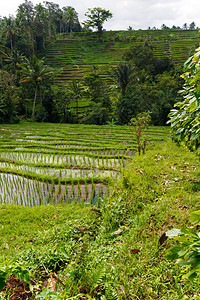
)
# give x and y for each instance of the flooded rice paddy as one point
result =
(62, 163)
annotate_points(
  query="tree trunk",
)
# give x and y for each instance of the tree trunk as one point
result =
(34, 103)
(77, 108)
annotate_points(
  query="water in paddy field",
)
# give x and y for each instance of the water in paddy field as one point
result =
(73, 160)
(27, 192)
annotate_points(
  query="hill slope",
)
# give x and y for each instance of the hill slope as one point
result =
(77, 53)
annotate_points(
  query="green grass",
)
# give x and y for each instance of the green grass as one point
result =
(114, 251)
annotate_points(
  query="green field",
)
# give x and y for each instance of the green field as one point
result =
(54, 163)
(76, 54)
(112, 250)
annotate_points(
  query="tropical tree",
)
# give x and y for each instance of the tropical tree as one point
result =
(96, 17)
(70, 17)
(14, 59)
(24, 19)
(123, 75)
(96, 89)
(4, 52)
(9, 30)
(140, 122)
(185, 117)
(34, 72)
(185, 26)
(192, 25)
(40, 26)
(8, 97)
(52, 14)
(75, 92)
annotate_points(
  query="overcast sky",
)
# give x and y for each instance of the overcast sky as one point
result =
(138, 14)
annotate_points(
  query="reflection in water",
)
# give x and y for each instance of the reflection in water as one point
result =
(18, 190)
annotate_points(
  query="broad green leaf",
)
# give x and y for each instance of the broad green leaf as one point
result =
(195, 217)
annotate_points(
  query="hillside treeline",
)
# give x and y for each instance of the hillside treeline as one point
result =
(140, 82)
(34, 26)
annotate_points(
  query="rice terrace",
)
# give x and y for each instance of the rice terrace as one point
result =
(54, 163)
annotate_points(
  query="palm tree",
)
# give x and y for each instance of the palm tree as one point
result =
(14, 59)
(9, 30)
(4, 52)
(75, 92)
(122, 75)
(70, 16)
(34, 71)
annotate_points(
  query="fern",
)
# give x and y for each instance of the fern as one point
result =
(96, 277)
(110, 293)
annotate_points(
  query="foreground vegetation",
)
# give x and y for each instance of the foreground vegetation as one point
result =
(116, 250)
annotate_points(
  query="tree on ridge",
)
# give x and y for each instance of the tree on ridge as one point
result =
(96, 17)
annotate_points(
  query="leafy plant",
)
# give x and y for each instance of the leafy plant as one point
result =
(187, 251)
(96, 17)
(47, 294)
(7, 269)
(185, 119)
(140, 122)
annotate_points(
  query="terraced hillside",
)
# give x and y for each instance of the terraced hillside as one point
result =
(56, 163)
(76, 54)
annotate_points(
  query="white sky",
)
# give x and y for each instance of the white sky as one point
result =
(138, 14)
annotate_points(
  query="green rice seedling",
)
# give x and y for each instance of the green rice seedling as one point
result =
(47, 197)
(20, 201)
(78, 161)
(66, 191)
(40, 197)
(93, 192)
(63, 197)
(99, 196)
(107, 162)
(70, 198)
(59, 188)
(86, 190)
(73, 190)
(94, 163)
(75, 160)
(53, 199)
(70, 173)
(52, 188)
(79, 191)
(65, 172)
(103, 162)
(123, 162)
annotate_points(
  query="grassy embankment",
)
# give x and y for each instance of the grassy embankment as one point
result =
(115, 250)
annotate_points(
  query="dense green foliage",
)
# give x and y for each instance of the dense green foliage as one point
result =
(187, 251)
(96, 17)
(185, 121)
